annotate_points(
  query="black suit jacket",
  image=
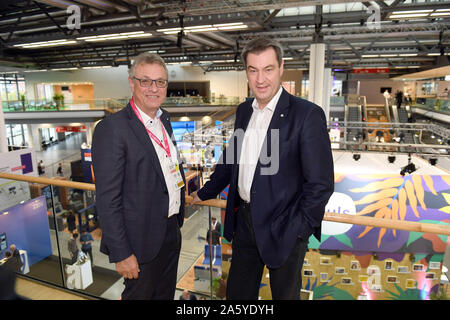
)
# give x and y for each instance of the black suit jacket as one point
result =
(131, 194)
(290, 202)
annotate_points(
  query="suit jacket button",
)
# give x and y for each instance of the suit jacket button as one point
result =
(166, 192)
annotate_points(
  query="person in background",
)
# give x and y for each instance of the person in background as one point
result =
(186, 295)
(12, 263)
(71, 221)
(86, 240)
(15, 256)
(216, 230)
(139, 183)
(41, 167)
(399, 98)
(73, 247)
(279, 168)
(59, 171)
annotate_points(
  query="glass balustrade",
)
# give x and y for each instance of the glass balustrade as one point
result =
(41, 219)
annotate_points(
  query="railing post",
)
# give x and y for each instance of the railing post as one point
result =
(57, 238)
(210, 253)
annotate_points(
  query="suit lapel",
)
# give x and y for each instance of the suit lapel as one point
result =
(143, 138)
(246, 115)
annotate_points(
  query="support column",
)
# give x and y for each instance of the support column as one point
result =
(37, 137)
(319, 77)
(30, 139)
(90, 126)
(327, 87)
(3, 139)
(316, 73)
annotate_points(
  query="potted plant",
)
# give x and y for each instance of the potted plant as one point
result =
(22, 100)
(59, 100)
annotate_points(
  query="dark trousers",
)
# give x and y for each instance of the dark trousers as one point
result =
(247, 266)
(88, 251)
(157, 279)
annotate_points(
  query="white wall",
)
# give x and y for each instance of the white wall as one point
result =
(371, 89)
(108, 83)
(113, 82)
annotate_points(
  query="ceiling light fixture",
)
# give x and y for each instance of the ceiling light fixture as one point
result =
(116, 36)
(205, 28)
(52, 43)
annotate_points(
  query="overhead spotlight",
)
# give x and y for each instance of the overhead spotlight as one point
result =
(356, 156)
(409, 168)
(391, 159)
(432, 161)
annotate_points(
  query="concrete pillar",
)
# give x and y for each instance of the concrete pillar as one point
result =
(316, 73)
(89, 132)
(3, 139)
(37, 137)
(327, 87)
(30, 138)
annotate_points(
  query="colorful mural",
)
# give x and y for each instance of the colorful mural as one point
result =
(411, 255)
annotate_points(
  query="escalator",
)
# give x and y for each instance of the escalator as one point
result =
(400, 115)
(353, 114)
(379, 133)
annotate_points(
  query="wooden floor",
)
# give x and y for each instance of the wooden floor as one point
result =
(36, 291)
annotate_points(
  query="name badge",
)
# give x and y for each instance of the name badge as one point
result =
(176, 175)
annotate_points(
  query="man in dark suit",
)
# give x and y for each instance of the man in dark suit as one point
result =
(280, 170)
(216, 231)
(140, 186)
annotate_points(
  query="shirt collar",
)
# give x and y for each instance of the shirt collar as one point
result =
(272, 103)
(149, 121)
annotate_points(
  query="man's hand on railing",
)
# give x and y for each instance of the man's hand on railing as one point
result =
(195, 198)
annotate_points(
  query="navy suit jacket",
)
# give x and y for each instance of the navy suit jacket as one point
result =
(290, 202)
(131, 194)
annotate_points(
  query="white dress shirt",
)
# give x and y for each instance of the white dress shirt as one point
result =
(154, 125)
(252, 143)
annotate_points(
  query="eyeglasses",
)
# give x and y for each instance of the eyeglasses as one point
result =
(146, 83)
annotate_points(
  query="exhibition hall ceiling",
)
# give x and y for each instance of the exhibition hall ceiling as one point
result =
(404, 36)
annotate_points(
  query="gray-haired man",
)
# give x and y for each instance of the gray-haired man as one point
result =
(140, 186)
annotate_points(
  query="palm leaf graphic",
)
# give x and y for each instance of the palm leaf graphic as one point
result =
(388, 198)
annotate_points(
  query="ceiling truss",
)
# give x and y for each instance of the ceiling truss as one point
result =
(350, 41)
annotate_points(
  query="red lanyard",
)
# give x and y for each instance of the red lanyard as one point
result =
(166, 146)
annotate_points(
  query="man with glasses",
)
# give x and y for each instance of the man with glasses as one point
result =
(140, 186)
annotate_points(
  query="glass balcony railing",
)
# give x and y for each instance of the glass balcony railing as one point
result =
(50, 105)
(440, 105)
(112, 104)
(43, 212)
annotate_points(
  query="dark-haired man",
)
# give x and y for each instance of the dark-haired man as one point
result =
(280, 170)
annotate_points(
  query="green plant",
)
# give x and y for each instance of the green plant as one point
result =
(22, 99)
(59, 100)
